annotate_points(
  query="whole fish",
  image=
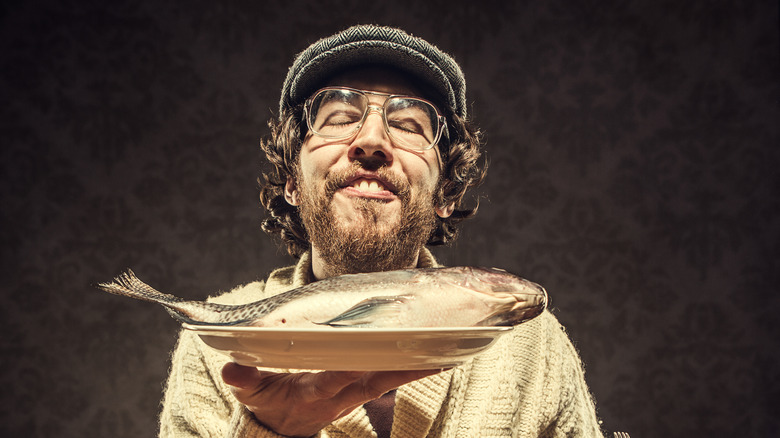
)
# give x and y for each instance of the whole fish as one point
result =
(428, 297)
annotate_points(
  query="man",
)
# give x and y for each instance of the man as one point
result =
(372, 155)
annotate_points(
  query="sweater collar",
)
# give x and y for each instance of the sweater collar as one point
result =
(302, 272)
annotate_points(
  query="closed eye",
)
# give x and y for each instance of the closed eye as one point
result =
(410, 128)
(337, 118)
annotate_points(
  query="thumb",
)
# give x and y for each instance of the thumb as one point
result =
(240, 376)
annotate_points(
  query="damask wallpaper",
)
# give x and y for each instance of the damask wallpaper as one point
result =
(633, 150)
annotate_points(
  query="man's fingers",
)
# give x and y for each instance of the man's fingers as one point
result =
(309, 387)
(240, 376)
(374, 385)
(343, 388)
(328, 384)
(386, 380)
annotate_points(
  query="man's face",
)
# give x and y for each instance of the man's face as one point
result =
(367, 205)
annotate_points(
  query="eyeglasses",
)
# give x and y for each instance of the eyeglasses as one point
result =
(340, 112)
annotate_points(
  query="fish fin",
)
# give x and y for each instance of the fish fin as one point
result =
(131, 286)
(366, 312)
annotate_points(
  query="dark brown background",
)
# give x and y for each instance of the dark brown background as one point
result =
(633, 150)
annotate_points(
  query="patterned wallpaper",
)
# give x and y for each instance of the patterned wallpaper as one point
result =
(633, 151)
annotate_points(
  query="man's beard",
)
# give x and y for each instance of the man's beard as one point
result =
(369, 246)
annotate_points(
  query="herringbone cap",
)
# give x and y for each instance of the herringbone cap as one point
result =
(376, 45)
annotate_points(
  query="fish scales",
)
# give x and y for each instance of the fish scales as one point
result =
(460, 296)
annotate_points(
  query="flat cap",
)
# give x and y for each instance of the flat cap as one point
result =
(375, 45)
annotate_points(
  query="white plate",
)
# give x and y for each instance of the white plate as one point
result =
(349, 349)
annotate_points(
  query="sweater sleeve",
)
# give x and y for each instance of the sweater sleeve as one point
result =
(576, 410)
(198, 403)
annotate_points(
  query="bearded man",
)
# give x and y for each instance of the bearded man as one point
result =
(372, 155)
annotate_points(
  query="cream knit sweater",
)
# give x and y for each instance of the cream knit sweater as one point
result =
(529, 384)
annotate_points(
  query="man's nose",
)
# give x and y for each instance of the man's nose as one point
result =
(371, 145)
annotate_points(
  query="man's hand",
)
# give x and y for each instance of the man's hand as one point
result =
(301, 404)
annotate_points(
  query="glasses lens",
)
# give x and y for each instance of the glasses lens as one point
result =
(412, 122)
(337, 113)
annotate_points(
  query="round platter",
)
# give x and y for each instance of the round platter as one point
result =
(349, 349)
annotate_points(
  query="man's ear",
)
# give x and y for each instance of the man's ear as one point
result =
(291, 191)
(445, 211)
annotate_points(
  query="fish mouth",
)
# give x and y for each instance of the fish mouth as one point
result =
(525, 307)
(529, 300)
(516, 299)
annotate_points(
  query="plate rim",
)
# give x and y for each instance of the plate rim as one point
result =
(222, 329)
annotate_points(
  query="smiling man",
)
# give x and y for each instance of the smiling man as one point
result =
(372, 155)
(367, 173)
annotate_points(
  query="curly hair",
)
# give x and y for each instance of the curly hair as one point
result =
(462, 169)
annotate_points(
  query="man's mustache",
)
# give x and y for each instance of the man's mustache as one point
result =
(339, 178)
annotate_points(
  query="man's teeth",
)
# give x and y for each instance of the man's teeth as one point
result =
(368, 186)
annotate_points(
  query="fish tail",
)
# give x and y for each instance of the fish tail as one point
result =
(128, 285)
(193, 312)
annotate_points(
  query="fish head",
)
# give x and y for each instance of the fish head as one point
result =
(513, 299)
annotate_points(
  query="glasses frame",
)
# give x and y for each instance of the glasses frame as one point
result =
(382, 109)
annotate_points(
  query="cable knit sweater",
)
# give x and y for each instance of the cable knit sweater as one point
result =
(529, 384)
